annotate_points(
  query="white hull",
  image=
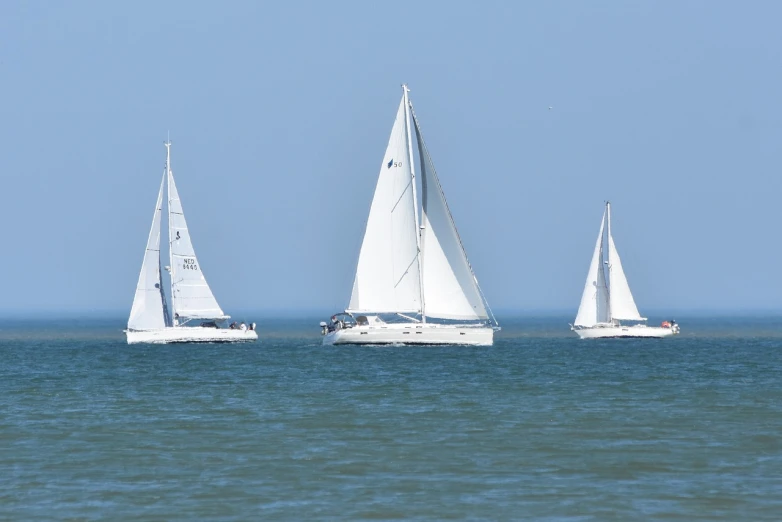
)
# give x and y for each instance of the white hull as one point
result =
(639, 330)
(186, 334)
(412, 334)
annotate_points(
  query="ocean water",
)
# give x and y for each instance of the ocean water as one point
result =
(541, 426)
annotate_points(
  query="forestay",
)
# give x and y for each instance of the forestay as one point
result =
(450, 288)
(191, 295)
(387, 275)
(149, 310)
(594, 306)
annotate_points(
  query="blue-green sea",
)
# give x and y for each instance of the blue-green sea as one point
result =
(541, 426)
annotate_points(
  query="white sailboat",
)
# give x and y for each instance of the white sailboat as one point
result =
(197, 316)
(607, 300)
(413, 284)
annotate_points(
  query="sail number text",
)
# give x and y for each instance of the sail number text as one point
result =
(189, 264)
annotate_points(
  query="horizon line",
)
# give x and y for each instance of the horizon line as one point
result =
(313, 313)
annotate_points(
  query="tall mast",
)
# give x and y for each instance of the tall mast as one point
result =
(167, 143)
(608, 259)
(405, 90)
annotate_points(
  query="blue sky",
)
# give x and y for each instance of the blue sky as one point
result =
(280, 113)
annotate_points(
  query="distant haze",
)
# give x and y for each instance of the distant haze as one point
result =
(535, 113)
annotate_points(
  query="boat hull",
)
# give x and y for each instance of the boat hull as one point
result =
(190, 335)
(412, 334)
(637, 331)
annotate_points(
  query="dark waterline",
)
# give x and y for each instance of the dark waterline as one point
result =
(542, 426)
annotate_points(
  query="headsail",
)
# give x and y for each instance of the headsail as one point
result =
(191, 295)
(149, 309)
(594, 306)
(622, 302)
(387, 275)
(450, 287)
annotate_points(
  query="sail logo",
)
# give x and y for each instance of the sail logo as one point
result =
(393, 163)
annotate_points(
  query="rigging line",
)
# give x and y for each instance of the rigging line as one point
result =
(179, 284)
(401, 196)
(415, 258)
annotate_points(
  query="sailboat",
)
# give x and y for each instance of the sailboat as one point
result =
(607, 300)
(413, 284)
(197, 316)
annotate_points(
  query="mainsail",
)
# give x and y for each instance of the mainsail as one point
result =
(192, 298)
(594, 306)
(387, 275)
(450, 288)
(149, 309)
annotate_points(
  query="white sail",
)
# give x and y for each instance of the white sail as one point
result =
(149, 311)
(387, 275)
(192, 298)
(594, 306)
(622, 302)
(450, 287)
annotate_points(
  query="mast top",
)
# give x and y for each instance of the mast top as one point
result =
(167, 143)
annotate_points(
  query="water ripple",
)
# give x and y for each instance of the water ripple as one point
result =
(543, 427)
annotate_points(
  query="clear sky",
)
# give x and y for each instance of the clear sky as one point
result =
(280, 112)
